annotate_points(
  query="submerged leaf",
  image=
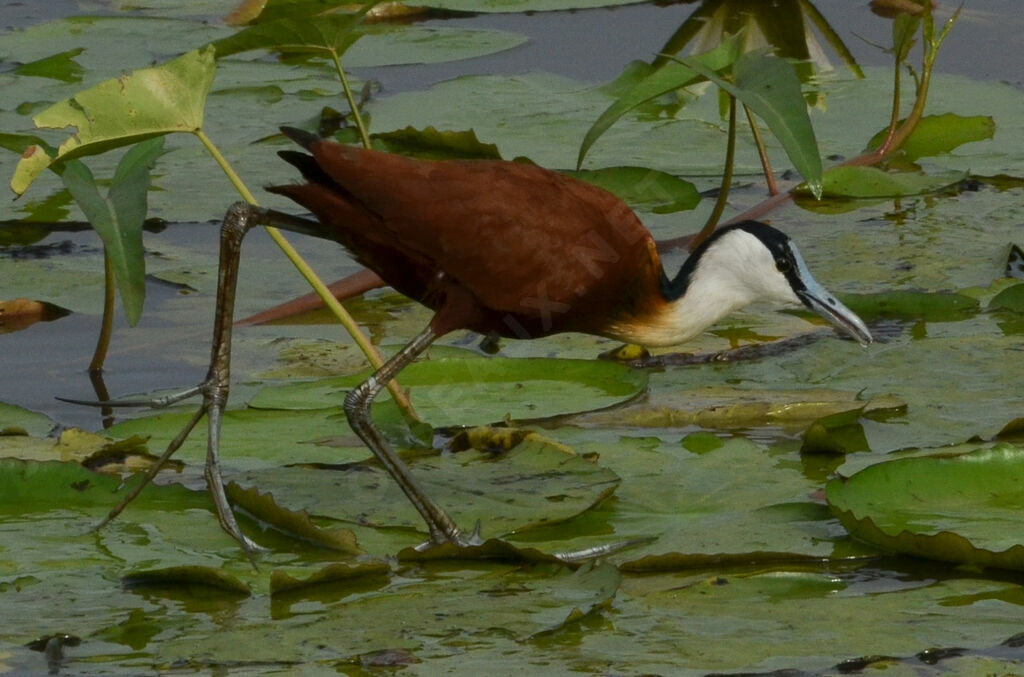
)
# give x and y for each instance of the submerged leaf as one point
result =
(723, 407)
(964, 508)
(839, 433)
(677, 561)
(493, 549)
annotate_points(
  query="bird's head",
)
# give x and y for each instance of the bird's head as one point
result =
(749, 262)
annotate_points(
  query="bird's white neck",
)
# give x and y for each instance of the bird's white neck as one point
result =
(735, 271)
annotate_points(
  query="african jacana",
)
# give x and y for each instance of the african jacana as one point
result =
(508, 249)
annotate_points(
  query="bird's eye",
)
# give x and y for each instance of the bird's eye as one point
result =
(783, 265)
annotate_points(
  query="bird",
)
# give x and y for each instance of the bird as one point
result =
(518, 251)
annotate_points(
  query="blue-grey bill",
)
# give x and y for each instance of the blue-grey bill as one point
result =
(820, 301)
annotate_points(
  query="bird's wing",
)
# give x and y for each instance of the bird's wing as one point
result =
(504, 231)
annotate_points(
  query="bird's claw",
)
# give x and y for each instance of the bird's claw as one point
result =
(454, 536)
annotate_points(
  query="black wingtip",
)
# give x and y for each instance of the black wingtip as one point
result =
(300, 136)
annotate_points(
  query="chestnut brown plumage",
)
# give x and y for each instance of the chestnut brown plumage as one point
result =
(452, 234)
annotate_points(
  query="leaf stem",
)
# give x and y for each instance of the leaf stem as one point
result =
(99, 355)
(351, 100)
(762, 152)
(347, 321)
(723, 191)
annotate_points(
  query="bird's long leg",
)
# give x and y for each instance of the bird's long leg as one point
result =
(239, 219)
(357, 408)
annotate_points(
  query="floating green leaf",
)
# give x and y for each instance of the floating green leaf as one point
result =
(937, 134)
(435, 145)
(928, 306)
(337, 572)
(1011, 298)
(26, 422)
(121, 111)
(506, 605)
(769, 87)
(263, 507)
(119, 216)
(253, 438)
(41, 486)
(536, 482)
(200, 580)
(871, 182)
(61, 67)
(964, 508)
(660, 191)
(724, 407)
(477, 391)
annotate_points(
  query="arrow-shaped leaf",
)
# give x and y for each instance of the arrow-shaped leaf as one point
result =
(332, 33)
(118, 218)
(770, 87)
(668, 78)
(118, 112)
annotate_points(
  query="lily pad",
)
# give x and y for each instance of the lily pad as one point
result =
(251, 438)
(282, 582)
(928, 306)
(206, 579)
(964, 508)
(870, 182)
(938, 134)
(536, 482)
(1011, 299)
(435, 144)
(297, 525)
(839, 433)
(725, 407)
(477, 391)
(17, 420)
(518, 604)
(660, 192)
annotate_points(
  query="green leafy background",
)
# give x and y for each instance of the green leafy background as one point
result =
(739, 562)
